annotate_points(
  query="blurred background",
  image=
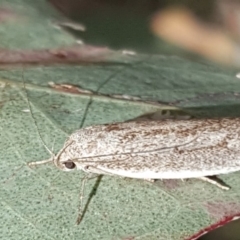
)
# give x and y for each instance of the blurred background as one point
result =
(206, 28)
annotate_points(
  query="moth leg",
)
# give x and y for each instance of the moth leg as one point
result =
(215, 181)
(150, 180)
(145, 179)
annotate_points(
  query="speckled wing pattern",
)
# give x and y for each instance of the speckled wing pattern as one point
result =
(157, 149)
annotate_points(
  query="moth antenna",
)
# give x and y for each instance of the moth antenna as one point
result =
(52, 150)
(98, 89)
(103, 84)
(85, 112)
(36, 125)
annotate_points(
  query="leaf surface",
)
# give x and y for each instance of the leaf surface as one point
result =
(41, 203)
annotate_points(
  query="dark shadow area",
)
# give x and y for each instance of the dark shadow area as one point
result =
(230, 231)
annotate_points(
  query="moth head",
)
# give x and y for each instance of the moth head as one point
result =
(66, 160)
(87, 167)
(65, 163)
(63, 159)
(72, 164)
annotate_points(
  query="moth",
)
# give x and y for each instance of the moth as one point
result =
(166, 149)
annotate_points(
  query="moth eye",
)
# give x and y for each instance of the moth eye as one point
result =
(70, 165)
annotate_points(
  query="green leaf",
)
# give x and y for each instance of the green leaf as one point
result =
(42, 203)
